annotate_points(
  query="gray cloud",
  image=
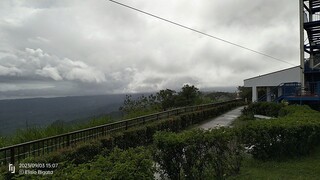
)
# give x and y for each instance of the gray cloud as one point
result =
(37, 63)
(9, 71)
(93, 47)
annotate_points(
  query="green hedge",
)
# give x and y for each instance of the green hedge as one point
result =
(264, 108)
(198, 154)
(140, 136)
(294, 135)
(133, 163)
(133, 137)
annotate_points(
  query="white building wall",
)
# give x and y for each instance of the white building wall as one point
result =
(275, 78)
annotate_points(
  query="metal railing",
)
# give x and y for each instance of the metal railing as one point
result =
(16, 153)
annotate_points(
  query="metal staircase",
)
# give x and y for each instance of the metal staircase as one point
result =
(314, 5)
(292, 92)
(312, 27)
(311, 89)
(273, 91)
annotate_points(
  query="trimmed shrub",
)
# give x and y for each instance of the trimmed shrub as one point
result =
(294, 135)
(119, 164)
(84, 152)
(198, 154)
(264, 108)
(133, 137)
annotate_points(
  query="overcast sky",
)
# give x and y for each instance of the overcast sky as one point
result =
(74, 47)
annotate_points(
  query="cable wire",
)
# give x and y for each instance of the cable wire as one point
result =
(203, 33)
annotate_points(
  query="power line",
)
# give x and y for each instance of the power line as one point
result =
(203, 33)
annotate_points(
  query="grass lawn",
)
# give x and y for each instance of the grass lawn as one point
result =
(297, 168)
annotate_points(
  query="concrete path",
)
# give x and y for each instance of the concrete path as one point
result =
(223, 120)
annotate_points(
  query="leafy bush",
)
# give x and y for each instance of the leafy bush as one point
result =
(83, 153)
(2, 141)
(263, 108)
(198, 154)
(56, 128)
(143, 135)
(295, 134)
(119, 164)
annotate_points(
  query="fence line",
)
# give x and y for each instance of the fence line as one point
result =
(15, 153)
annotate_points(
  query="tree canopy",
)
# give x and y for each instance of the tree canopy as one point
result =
(166, 99)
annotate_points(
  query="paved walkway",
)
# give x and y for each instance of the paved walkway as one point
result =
(223, 120)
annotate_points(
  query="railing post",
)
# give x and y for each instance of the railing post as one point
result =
(157, 116)
(12, 155)
(126, 125)
(68, 140)
(5, 156)
(144, 120)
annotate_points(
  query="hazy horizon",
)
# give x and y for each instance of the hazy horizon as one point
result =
(15, 97)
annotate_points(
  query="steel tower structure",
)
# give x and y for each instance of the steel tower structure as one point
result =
(310, 23)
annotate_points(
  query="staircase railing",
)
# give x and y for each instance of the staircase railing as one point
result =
(272, 91)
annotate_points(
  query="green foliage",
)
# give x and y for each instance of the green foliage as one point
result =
(221, 96)
(76, 161)
(295, 168)
(140, 136)
(295, 134)
(84, 152)
(80, 153)
(96, 121)
(141, 106)
(56, 128)
(130, 164)
(264, 108)
(166, 98)
(138, 113)
(163, 100)
(31, 133)
(133, 137)
(245, 93)
(187, 96)
(203, 99)
(2, 141)
(119, 164)
(198, 154)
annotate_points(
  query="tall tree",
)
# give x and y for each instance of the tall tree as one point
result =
(245, 92)
(166, 98)
(188, 95)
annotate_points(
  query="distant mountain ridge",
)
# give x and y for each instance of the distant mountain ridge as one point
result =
(20, 113)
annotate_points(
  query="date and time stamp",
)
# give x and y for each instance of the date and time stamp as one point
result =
(33, 168)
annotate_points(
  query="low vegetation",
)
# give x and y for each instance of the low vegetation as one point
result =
(168, 99)
(198, 154)
(294, 133)
(252, 149)
(85, 153)
(59, 127)
(306, 167)
(143, 105)
(286, 147)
